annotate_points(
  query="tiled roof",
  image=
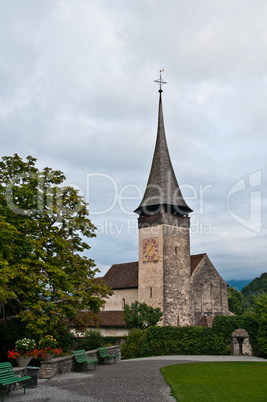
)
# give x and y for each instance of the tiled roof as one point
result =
(206, 321)
(125, 276)
(112, 318)
(102, 319)
(122, 276)
(195, 260)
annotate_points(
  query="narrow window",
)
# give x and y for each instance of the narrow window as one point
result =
(123, 303)
(176, 249)
(150, 292)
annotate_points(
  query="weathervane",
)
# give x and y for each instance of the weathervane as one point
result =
(160, 81)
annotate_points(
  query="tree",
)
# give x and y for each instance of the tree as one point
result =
(44, 279)
(260, 308)
(235, 301)
(140, 315)
(254, 288)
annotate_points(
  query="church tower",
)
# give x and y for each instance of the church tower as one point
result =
(164, 278)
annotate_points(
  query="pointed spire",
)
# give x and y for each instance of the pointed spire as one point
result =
(162, 192)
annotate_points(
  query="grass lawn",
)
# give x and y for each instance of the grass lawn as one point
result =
(225, 381)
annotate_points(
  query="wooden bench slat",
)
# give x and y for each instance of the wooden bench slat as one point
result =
(82, 358)
(105, 355)
(8, 377)
(11, 380)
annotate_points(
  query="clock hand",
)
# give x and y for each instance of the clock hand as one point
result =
(152, 245)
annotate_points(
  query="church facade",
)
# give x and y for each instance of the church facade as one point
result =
(185, 287)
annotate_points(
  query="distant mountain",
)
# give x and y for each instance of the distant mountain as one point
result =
(234, 283)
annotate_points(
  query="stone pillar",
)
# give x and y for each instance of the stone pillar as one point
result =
(240, 343)
(46, 370)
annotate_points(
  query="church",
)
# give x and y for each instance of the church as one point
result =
(187, 288)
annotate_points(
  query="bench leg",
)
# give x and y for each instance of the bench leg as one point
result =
(8, 389)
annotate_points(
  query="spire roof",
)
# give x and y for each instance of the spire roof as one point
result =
(162, 192)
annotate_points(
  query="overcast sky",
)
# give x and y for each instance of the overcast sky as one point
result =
(77, 93)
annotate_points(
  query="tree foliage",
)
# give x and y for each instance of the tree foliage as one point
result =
(254, 289)
(260, 307)
(235, 301)
(44, 226)
(92, 339)
(140, 315)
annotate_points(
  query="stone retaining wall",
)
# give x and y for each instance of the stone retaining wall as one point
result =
(60, 365)
(66, 364)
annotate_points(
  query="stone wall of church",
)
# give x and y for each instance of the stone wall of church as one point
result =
(150, 278)
(113, 331)
(120, 298)
(209, 291)
(177, 276)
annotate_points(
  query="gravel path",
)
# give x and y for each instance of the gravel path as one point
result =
(136, 380)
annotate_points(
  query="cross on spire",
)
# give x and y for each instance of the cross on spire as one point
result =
(160, 81)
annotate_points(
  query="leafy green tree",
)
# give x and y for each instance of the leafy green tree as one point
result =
(235, 301)
(140, 315)
(254, 288)
(260, 308)
(45, 281)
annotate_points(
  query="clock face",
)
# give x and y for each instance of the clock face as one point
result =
(150, 249)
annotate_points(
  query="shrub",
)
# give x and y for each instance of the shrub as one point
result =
(184, 341)
(66, 340)
(260, 306)
(113, 340)
(92, 340)
(224, 326)
(159, 341)
(132, 346)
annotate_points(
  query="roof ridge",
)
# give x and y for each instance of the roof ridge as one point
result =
(195, 255)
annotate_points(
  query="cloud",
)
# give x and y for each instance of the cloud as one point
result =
(77, 92)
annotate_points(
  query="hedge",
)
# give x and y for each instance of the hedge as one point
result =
(159, 341)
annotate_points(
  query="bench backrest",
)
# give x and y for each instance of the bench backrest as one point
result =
(6, 371)
(103, 352)
(81, 352)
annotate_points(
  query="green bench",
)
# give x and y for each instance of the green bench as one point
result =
(106, 356)
(8, 377)
(82, 358)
